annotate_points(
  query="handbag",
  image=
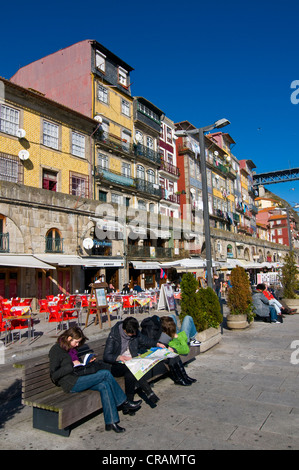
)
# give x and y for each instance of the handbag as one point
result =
(90, 368)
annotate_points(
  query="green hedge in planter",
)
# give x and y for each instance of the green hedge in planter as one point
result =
(201, 304)
(289, 276)
(239, 298)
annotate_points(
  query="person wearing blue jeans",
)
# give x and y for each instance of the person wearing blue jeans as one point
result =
(112, 395)
(189, 328)
(64, 360)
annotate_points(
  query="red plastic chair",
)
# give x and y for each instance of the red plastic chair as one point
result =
(43, 306)
(55, 315)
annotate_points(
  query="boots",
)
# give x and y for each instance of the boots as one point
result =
(184, 374)
(146, 388)
(176, 375)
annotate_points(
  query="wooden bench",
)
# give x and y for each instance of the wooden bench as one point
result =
(56, 411)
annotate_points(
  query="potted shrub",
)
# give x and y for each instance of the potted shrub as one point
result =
(289, 281)
(203, 306)
(239, 300)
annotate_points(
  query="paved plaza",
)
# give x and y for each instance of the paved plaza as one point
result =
(246, 397)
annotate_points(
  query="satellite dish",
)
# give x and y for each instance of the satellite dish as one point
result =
(23, 154)
(98, 118)
(21, 133)
(87, 243)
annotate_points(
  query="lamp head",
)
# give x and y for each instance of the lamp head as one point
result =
(222, 123)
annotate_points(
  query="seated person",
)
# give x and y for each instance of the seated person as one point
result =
(125, 289)
(137, 288)
(124, 342)
(177, 342)
(261, 305)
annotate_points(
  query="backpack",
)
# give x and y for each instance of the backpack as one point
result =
(151, 327)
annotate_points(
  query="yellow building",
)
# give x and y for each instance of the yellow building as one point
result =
(44, 144)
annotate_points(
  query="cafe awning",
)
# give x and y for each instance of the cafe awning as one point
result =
(103, 263)
(73, 260)
(23, 261)
(60, 260)
(145, 265)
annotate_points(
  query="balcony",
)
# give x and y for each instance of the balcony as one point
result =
(4, 242)
(169, 168)
(245, 229)
(174, 198)
(149, 251)
(253, 209)
(122, 179)
(117, 145)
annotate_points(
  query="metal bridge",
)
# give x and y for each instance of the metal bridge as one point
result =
(278, 176)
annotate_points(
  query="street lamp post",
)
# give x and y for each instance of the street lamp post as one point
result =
(205, 199)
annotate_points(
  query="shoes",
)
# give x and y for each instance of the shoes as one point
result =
(153, 398)
(177, 376)
(128, 406)
(195, 342)
(114, 427)
(275, 321)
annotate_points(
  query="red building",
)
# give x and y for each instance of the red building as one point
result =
(278, 229)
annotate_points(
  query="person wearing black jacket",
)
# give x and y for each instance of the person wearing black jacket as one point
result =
(63, 361)
(124, 342)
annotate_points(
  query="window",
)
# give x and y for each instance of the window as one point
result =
(102, 162)
(116, 198)
(9, 120)
(150, 143)
(50, 180)
(79, 186)
(141, 205)
(100, 61)
(139, 137)
(9, 169)
(148, 112)
(50, 135)
(122, 76)
(102, 94)
(125, 108)
(102, 196)
(151, 176)
(126, 169)
(78, 144)
(168, 133)
(140, 172)
(54, 242)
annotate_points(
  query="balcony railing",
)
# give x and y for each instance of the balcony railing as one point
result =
(169, 168)
(4, 242)
(121, 145)
(149, 252)
(175, 198)
(123, 179)
(54, 245)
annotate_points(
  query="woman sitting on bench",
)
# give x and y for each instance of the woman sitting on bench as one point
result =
(63, 361)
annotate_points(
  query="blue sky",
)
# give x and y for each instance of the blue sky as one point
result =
(196, 60)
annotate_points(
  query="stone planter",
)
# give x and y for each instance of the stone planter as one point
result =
(237, 322)
(291, 303)
(209, 338)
